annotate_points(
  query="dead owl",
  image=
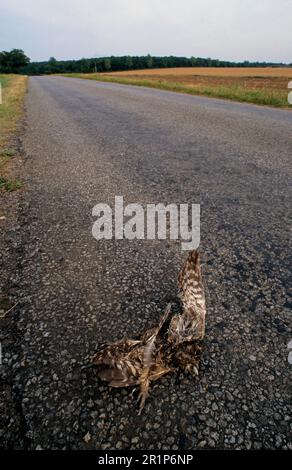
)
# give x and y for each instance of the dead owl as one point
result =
(175, 343)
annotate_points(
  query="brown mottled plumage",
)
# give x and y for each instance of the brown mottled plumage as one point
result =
(174, 343)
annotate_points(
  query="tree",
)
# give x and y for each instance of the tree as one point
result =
(13, 61)
(129, 62)
(107, 64)
(52, 65)
(149, 61)
(164, 62)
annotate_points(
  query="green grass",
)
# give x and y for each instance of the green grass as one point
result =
(5, 79)
(235, 93)
(10, 184)
(8, 153)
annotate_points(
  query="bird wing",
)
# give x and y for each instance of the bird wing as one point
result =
(190, 325)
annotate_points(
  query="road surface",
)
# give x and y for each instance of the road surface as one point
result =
(85, 142)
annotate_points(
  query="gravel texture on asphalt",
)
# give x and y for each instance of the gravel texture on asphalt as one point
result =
(85, 142)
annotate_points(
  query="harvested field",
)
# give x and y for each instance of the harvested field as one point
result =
(213, 71)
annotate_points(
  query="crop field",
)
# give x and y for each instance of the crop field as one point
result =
(212, 71)
(264, 86)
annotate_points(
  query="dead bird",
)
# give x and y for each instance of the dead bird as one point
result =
(175, 343)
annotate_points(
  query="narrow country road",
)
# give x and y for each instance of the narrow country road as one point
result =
(85, 142)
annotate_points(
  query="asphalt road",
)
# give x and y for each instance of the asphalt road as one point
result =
(85, 142)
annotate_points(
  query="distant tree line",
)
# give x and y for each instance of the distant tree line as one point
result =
(9, 63)
(112, 64)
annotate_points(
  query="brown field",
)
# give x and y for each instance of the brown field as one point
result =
(269, 78)
(212, 71)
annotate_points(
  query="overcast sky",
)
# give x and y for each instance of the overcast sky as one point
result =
(224, 29)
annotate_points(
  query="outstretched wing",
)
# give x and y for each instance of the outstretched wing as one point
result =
(190, 325)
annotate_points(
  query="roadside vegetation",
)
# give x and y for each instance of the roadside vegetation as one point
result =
(269, 89)
(11, 110)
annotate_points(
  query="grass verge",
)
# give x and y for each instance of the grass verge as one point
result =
(276, 98)
(11, 110)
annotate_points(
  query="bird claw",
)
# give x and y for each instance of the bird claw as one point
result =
(192, 369)
(142, 398)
